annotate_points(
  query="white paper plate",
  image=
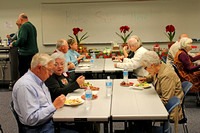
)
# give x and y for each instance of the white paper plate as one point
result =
(70, 101)
(84, 65)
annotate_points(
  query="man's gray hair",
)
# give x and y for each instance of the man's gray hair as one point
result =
(149, 58)
(60, 42)
(41, 58)
(58, 56)
(23, 15)
(137, 43)
(185, 43)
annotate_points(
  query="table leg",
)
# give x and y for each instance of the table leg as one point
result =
(125, 126)
(56, 127)
(111, 125)
(105, 127)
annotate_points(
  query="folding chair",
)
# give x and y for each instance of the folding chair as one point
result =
(186, 85)
(172, 103)
(16, 117)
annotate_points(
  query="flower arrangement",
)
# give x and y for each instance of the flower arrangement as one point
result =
(75, 32)
(123, 30)
(170, 32)
(162, 54)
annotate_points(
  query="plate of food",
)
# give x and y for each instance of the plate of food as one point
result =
(86, 60)
(93, 96)
(144, 85)
(94, 88)
(115, 60)
(84, 65)
(126, 84)
(86, 84)
(74, 101)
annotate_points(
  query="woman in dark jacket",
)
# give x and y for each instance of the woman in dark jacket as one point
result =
(59, 84)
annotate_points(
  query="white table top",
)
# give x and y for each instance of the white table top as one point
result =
(100, 110)
(109, 66)
(130, 104)
(97, 66)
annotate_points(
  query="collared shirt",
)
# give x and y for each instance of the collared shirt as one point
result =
(32, 100)
(134, 63)
(172, 52)
(57, 51)
(71, 56)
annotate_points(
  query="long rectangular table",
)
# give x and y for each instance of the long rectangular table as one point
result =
(109, 66)
(125, 104)
(101, 68)
(131, 104)
(99, 112)
(96, 67)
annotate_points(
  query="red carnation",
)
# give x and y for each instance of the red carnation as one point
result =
(75, 32)
(170, 30)
(124, 29)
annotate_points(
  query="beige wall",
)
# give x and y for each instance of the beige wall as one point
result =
(10, 9)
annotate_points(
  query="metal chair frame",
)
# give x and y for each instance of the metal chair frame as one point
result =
(186, 85)
(172, 103)
(1, 129)
(16, 117)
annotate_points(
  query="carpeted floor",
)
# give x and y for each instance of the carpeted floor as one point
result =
(9, 124)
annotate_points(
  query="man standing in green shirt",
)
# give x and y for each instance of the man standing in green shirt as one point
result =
(26, 43)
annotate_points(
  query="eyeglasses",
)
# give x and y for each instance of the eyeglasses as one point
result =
(51, 71)
(59, 64)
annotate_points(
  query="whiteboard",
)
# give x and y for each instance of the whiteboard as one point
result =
(147, 19)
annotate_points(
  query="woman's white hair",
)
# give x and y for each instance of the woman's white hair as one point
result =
(135, 41)
(42, 59)
(185, 43)
(58, 56)
(60, 42)
(149, 58)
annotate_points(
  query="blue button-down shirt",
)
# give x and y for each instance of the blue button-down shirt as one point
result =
(32, 100)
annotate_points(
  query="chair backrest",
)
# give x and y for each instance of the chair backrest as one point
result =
(176, 70)
(164, 59)
(186, 85)
(1, 129)
(16, 117)
(172, 103)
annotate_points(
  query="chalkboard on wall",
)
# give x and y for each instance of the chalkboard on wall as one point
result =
(101, 20)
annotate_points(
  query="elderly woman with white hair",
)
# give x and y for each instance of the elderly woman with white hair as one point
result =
(184, 62)
(165, 80)
(57, 83)
(135, 45)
